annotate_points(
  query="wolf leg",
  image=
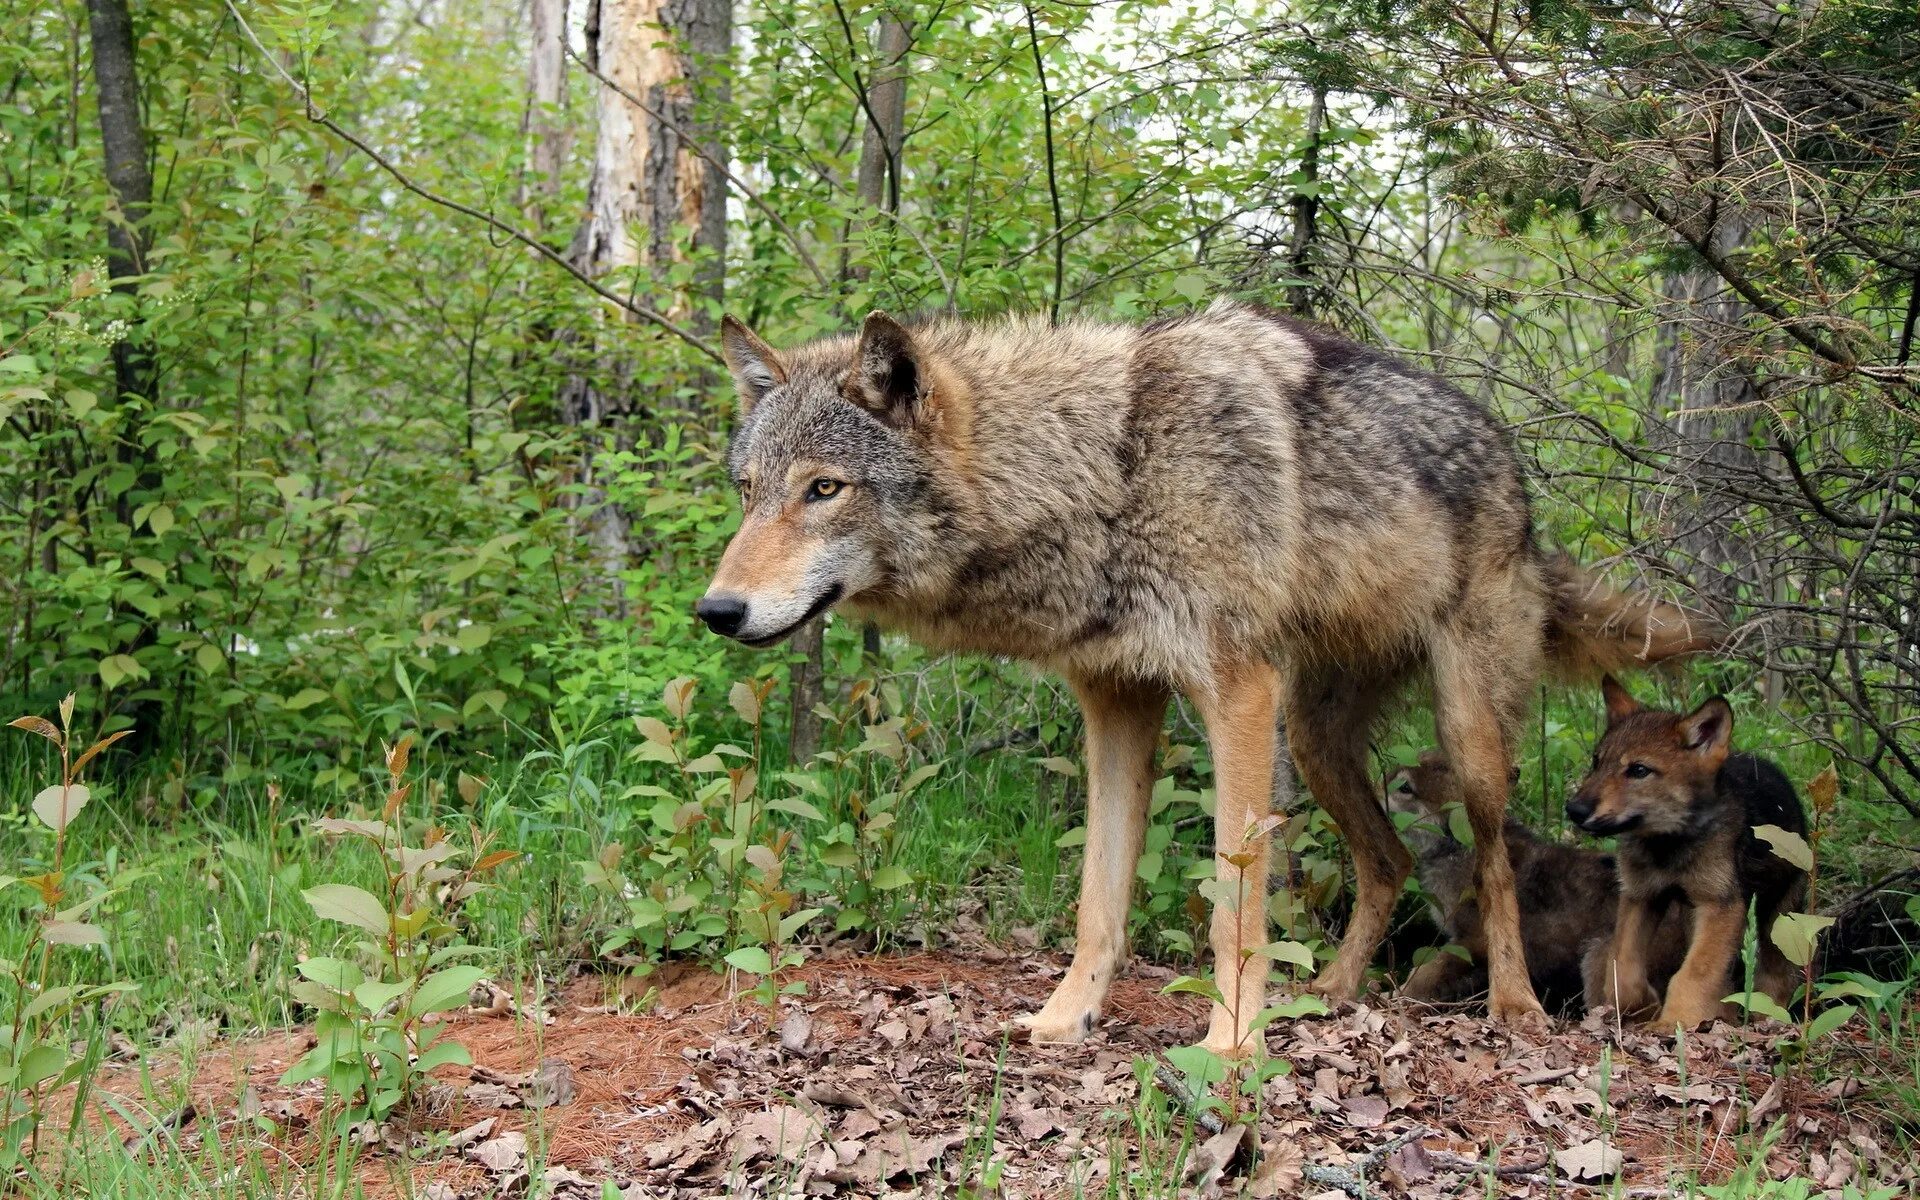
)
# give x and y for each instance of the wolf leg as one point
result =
(1328, 716)
(1474, 691)
(1123, 725)
(1240, 715)
(1444, 979)
(1694, 993)
(1616, 969)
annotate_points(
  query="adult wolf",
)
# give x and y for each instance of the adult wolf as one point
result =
(1247, 509)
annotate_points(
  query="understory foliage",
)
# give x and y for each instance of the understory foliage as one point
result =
(350, 505)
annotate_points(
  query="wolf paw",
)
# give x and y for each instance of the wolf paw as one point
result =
(1047, 1028)
(1522, 1013)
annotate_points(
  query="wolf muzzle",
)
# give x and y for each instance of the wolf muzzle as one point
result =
(727, 615)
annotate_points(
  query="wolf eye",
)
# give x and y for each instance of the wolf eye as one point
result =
(1638, 770)
(824, 489)
(1405, 788)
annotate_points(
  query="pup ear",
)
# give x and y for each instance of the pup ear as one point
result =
(756, 366)
(1709, 728)
(1619, 702)
(887, 379)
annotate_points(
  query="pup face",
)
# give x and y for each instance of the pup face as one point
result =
(1423, 790)
(1652, 768)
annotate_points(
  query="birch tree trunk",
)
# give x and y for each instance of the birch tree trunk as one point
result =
(545, 131)
(665, 62)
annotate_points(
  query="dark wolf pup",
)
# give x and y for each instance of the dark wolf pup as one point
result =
(1684, 810)
(1249, 510)
(1567, 898)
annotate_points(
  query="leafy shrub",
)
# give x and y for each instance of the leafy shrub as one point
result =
(375, 1040)
(36, 1058)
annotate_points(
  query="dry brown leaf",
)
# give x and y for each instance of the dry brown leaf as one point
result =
(551, 1086)
(1365, 1112)
(502, 1154)
(1281, 1170)
(795, 1030)
(1592, 1161)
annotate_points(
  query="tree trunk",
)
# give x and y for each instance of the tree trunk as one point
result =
(877, 180)
(124, 147)
(1701, 417)
(544, 128)
(1305, 208)
(877, 184)
(647, 180)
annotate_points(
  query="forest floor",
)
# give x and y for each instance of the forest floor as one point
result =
(902, 1075)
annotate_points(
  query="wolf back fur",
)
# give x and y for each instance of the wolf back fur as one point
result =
(1244, 508)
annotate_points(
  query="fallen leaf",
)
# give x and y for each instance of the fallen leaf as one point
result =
(1207, 1163)
(501, 1154)
(1281, 1170)
(781, 1131)
(551, 1086)
(795, 1028)
(492, 1095)
(1365, 1112)
(1593, 1160)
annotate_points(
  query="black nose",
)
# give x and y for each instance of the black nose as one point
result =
(1579, 811)
(723, 614)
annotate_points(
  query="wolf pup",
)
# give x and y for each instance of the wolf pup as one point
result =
(1567, 898)
(1231, 504)
(1684, 810)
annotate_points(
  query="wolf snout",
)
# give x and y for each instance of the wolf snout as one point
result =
(1579, 810)
(723, 614)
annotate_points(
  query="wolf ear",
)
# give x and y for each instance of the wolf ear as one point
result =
(1619, 702)
(887, 379)
(1708, 729)
(756, 366)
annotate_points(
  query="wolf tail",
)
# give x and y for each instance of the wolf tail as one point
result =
(1593, 628)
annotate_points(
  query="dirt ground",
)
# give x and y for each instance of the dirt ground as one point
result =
(895, 1076)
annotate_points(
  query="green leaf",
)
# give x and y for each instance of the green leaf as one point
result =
(1196, 986)
(797, 807)
(1202, 1067)
(1072, 837)
(1786, 844)
(1761, 1004)
(304, 698)
(445, 990)
(1828, 1020)
(47, 1001)
(160, 519)
(792, 922)
(1305, 1005)
(40, 1063)
(1795, 934)
(376, 994)
(1288, 952)
(443, 1054)
(889, 877)
(116, 669)
(73, 933)
(754, 960)
(348, 905)
(57, 806)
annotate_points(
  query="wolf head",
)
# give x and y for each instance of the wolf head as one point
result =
(1653, 771)
(1427, 792)
(836, 481)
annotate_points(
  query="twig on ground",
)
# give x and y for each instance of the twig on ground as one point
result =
(1351, 1177)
